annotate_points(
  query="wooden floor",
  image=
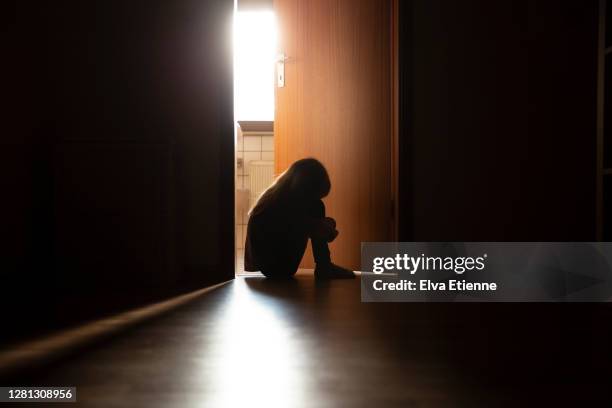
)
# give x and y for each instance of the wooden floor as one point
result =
(260, 343)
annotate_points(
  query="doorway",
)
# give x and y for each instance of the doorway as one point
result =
(254, 55)
(318, 79)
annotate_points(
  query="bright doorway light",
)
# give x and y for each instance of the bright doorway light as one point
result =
(254, 57)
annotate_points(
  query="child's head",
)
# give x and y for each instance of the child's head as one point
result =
(305, 180)
(308, 179)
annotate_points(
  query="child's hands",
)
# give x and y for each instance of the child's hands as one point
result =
(332, 231)
(325, 229)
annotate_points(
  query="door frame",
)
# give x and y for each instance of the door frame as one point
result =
(398, 196)
(395, 111)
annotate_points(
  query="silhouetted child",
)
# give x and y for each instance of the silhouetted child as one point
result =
(286, 215)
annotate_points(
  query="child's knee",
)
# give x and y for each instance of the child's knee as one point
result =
(324, 229)
(318, 209)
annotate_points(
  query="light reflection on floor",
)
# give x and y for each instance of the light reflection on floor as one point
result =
(262, 363)
(256, 342)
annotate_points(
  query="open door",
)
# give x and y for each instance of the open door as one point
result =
(336, 105)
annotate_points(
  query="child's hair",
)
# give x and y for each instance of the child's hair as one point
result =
(305, 180)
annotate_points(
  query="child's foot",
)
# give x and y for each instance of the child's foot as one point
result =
(332, 271)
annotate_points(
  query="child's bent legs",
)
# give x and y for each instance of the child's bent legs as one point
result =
(320, 248)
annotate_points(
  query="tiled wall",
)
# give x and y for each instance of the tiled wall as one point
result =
(249, 146)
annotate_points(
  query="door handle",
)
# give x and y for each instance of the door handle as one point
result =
(280, 69)
(282, 57)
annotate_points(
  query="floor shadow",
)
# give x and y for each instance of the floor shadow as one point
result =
(299, 288)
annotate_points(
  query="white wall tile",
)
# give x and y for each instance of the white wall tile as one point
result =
(248, 147)
(239, 142)
(248, 157)
(239, 236)
(242, 209)
(240, 261)
(239, 169)
(252, 143)
(267, 143)
(238, 213)
(243, 182)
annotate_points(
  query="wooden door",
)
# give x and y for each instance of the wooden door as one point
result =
(336, 106)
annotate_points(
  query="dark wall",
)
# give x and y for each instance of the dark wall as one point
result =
(498, 120)
(498, 136)
(117, 154)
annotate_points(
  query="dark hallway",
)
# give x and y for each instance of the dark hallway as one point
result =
(260, 343)
(117, 184)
